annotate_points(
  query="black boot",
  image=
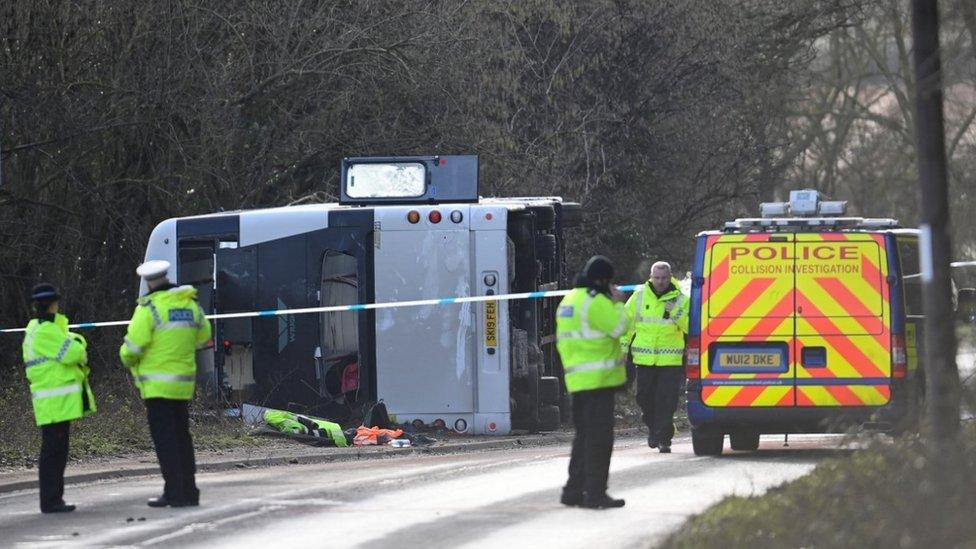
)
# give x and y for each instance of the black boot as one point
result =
(59, 508)
(161, 501)
(665, 448)
(601, 502)
(571, 499)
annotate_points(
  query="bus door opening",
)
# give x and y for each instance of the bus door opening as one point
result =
(337, 356)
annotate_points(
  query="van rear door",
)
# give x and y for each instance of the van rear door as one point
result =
(747, 318)
(843, 320)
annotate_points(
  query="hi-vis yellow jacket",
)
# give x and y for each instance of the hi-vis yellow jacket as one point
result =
(660, 325)
(54, 360)
(166, 330)
(588, 326)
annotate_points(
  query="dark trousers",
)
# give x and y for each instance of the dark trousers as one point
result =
(50, 466)
(169, 425)
(589, 463)
(657, 396)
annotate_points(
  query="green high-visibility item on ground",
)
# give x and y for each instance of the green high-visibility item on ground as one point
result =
(291, 423)
(55, 364)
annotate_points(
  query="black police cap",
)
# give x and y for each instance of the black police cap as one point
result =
(45, 292)
(598, 268)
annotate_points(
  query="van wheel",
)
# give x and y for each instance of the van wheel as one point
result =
(744, 441)
(549, 390)
(707, 444)
(549, 419)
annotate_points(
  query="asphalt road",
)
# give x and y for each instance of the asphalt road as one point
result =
(502, 498)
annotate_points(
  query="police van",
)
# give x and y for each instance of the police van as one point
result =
(802, 321)
(404, 229)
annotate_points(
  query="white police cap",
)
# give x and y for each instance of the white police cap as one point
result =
(153, 269)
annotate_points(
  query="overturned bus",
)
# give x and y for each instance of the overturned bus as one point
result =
(405, 228)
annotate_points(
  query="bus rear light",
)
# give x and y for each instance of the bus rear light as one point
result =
(457, 216)
(413, 216)
(693, 357)
(899, 357)
(439, 424)
(434, 216)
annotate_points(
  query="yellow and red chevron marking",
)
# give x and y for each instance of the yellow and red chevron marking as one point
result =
(743, 307)
(849, 315)
(748, 395)
(843, 395)
(840, 302)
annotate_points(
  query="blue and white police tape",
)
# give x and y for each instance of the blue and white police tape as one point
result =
(358, 307)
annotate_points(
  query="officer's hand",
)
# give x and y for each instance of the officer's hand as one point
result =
(616, 294)
(669, 305)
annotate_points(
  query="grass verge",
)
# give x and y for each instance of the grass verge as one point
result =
(891, 494)
(119, 428)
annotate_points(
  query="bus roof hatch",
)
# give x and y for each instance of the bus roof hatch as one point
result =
(373, 180)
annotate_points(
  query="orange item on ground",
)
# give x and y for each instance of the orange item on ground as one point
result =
(370, 436)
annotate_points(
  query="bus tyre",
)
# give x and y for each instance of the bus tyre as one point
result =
(566, 408)
(545, 246)
(549, 419)
(545, 218)
(744, 441)
(707, 444)
(572, 215)
(549, 390)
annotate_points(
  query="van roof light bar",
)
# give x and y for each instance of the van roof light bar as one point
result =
(788, 223)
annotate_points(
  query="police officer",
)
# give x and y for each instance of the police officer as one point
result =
(589, 322)
(166, 330)
(659, 312)
(55, 363)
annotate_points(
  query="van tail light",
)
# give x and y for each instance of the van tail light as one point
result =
(899, 357)
(693, 357)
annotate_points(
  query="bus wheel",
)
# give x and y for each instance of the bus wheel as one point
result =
(566, 408)
(545, 246)
(572, 215)
(549, 419)
(707, 444)
(549, 390)
(545, 217)
(744, 441)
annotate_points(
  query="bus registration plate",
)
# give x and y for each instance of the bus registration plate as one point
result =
(491, 323)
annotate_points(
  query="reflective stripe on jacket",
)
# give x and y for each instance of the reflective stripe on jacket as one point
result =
(166, 330)
(656, 340)
(54, 362)
(588, 326)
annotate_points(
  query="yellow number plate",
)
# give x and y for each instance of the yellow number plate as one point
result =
(771, 360)
(491, 323)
